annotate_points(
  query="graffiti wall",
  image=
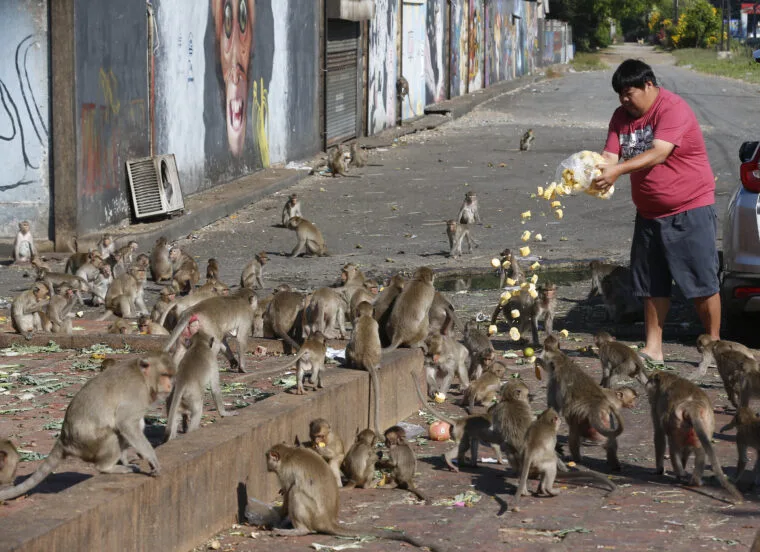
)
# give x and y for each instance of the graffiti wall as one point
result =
(475, 44)
(249, 70)
(413, 56)
(459, 48)
(112, 106)
(498, 41)
(381, 81)
(435, 54)
(24, 117)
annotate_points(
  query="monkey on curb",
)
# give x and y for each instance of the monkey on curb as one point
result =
(408, 324)
(9, 458)
(106, 417)
(23, 244)
(364, 351)
(328, 445)
(384, 303)
(291, 209)
(310, 239)
(618, 359)
(310, 358)
(57, 318)
(469, 213)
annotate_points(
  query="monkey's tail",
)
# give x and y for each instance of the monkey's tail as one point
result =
(173, 402)
(376, 392)
(610, 433)
(426, 406)
(182, 323)
(588, 474)
(47, 467)
(692, 414)
(336, 531)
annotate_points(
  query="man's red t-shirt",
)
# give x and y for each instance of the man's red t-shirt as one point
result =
(685, 180)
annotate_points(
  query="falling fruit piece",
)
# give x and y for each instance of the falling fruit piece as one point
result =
(495, 262)
(538, 237)
(525, 236)
(535, 266)
(564, 333)
(525, 251)
(558, 214)
(492, 329)
(515, 313)
(510, 282)
(525, 214)
(514, 333)
(534, 278)
(533, 293)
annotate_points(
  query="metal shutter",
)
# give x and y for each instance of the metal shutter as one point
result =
(341, 80)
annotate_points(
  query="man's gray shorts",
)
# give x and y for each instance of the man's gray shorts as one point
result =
(679, 247)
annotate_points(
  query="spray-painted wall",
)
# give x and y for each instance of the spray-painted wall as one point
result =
(24, 117)
(249, 71)
(458, 48)
(435, 53)
(112, 106)
(414, 37)
(475, 45)
(498, 41)
(381, 82)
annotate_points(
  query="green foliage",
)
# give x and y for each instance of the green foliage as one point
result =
(589, 19)
(699, 26)
(740, 65)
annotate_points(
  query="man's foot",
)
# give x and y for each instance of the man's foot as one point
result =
(652, 360)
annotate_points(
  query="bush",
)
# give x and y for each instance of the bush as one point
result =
(697, 27)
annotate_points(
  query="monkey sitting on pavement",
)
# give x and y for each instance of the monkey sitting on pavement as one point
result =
(401, 462)
(291, 209)
(359, 463)
(9, 458)
(328, 445)
(310, 239)
(23, 244)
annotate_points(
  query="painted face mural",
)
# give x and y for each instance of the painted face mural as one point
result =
(233, 22)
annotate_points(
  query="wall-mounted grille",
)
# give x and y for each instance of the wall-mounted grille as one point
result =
(154, 183)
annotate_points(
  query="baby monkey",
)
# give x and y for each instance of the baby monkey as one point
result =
(457, 233)
(9, 458)
(292, 209)
(328, 445)
(618, 359)
(469, 214)
(747, 426)
(23, 244)
(359, 463)
(402, 461)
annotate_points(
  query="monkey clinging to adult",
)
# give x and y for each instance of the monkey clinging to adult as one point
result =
(105, 418)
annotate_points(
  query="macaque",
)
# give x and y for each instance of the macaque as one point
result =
(530, 311)
(509, 268)
(60, 279)
(352, 280)
(747, 426)
(359, 463)
(212, 269)
(328, 445)
(446, 358)
(366, 293)
(480, 348)
(106, 246)
(127, 252)
(384, 303)
(185, 275)
(310, 358)
(469, 214)
(617, 290)
(58, 316)
(402, 91)
(165, 299)
(100, 286)
(23, 244)
(26, 309)
(142, 261)
(146, 326)
(683, 417)
(457, 233)
(441, 316)
(484, 389)
(160, 264)
(310, 239)
(90, 270)
(198, 369)
(292, 209)
(364, 351)
(125, 296)
(586, 408)
(358, 155)
(709, 347)
(402, 462)
(117, 264)
(598, 271)
(221, 317)
(622, 397)
(408, 324)
(336, 162)
(510, 419)
(323, 311)
(9, 458)
(253, 273)
(527, 140)
(736, 365)
(181, 304)
(283, 315)
(106, 417)
(120, 326)
(76, 260)
(618, 359)
(539, 455)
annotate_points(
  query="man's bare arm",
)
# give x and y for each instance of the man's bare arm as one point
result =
(610, 173)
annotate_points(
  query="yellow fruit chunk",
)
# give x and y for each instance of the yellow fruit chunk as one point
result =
(556, 204)
(525, 251)
(540, 190)
(506, 296)
(538, 372)
(525, 236)
(439, 398)
(534, 278)
(510, 282)
(322, 444)
(515, 313)
(505, 265)
(516, 293)
(564, 333)
(514, 333)
(492, 329)
(535, 266)
(558, 214)
(496, 263)
(533, 293)
(538, 237)
(525, 214)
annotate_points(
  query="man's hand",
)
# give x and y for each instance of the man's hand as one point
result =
(610, 173)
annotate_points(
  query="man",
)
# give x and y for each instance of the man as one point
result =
(659, 140)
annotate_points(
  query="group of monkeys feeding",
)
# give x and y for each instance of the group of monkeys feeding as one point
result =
(104, 420)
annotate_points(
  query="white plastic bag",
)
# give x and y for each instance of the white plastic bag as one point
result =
(577, 171)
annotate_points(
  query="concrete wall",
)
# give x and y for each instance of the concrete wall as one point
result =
(24, 117)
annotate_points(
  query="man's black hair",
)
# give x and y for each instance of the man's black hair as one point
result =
(632, 73)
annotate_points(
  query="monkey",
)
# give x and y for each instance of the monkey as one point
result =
(618, 359)
(261, 308)
(469, 214)
(446, 358)
(510, 419)
(292, 209)
(60, 278)
(352, 280)
(466, 432)
(364, 349)
(100, 286)
(105, 418)
(198, 369)
(402, 91)
(747, 426)
(324, 309)
(756, 543)
(619, 300)
(598, 271)
(622, 397)
(26, 307)
(219, 288)
(587, 410)
(185, 275)
(165, 299)
(180, 304)
(402, 462)
(142, 261)
(127, 252)
(57, 318)
(221, 317)
(441, 316)
(480, 348)
(310, 496)
(90, 270)
(310, 239)
(282, 315)
(457, 233)
(358, 156)
(527, 140)
(509, 267)
(538, 454)
(212, 269)
(328, 445)
(160, 264)
(120, 326)
(683, 415)
(23, 243)
(253, 273)
(106, 246)
(408, 323)
(9, 458)
(530, 310)
(125, 296)
(359, 462)
(709, 347)
(107, 363)
(146, 326)
(383, 305)
(366, 293)
(485, 388)
(76, 260)
(115, 261)
(183, 343)
(310, 358)
(38, 264)
(336, 162)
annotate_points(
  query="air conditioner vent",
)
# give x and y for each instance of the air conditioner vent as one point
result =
(154, 183)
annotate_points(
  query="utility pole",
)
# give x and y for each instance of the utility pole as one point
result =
(722, 23)
(675, 12)
(728, 36)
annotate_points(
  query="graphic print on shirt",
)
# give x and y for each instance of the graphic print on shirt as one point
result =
(638, 142)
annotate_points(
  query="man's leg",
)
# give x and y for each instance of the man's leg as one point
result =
(708, 309)
(655, 311)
